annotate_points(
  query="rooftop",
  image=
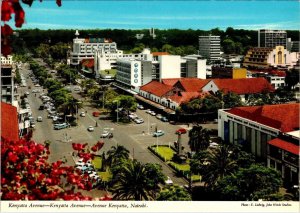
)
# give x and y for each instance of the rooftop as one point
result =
(284, 117)
(156, 88)
(285, 145)
(244, 85)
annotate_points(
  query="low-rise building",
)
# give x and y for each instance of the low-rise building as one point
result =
(178, 90)
(228, 72)
(263, 131)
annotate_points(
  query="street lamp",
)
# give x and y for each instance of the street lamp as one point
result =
(117, 110)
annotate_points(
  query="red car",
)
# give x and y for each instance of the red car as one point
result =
(181, 131)
(96, 114)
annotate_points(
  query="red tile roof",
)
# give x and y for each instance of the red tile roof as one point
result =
(188, 84)
(284, 117)
(187, 96)
(285, 145)
(156, 88)
(88, 63)
(160, 53)
(9, 122)
(170, 81)
(192, 84)
(244, 85)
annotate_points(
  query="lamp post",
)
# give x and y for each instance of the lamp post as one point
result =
(117, 110)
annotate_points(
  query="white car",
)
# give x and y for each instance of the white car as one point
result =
(132, 116)
(169, 181)
(39, 119)
(138, 120)
(27, 93)
(152, 113)
(82, 114)
(104, 134)
(90, 128)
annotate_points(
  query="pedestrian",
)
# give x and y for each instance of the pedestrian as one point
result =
(96, 124)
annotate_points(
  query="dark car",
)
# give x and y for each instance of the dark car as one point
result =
(42, 107)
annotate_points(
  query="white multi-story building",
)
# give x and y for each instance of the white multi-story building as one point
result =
(85, 48)
(108, 60)
(272, 38)
(210, 47)
(7, 80)
(276, 81)
(6, 60)
(159, 66)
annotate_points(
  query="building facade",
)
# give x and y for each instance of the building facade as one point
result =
(256, 128)
(210, 47)
(264, 58)
(272, 38)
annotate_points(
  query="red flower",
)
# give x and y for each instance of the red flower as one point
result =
(58, 2)
(6, 10)
(12, 157)
(19, 14)
(6, 30)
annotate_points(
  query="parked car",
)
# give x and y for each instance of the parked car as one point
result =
(39, 119)
(42, 107)
(61, 126)
(96, 114)
(158, 116)
(148, 111)
(181, 131)
(138, 120)
(90, 128)
(158, 133)
(104, 134)
(27, 93)
(132, 116)
(169, 181)
(152, 113)
(140, 107)
(82, 114)
(164, 119)
(32, 123)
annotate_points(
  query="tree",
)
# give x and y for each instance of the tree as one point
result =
(292, 78)
(117, 154)
(18, 78)
(198, 138)
(229, 99)
(253, 183)
(174, 193)
(133, 183)
(228, 46)
(219, 162)
(26, 174)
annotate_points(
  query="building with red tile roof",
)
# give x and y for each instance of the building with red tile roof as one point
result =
(263, 129)
(243, 86)
(156, 88)
(9, 122)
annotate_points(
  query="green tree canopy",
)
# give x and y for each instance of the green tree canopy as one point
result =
(253, 183)
(174, 193)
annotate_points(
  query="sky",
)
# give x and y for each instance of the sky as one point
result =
(204, 15)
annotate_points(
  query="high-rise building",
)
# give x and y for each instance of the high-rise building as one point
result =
(210, 47)
(272, 38)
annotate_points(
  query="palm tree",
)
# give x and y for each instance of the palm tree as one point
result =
(133, 183)
(219, 162)
(116, 154)
(199, 138)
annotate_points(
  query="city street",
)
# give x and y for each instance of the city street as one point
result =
(135, 137)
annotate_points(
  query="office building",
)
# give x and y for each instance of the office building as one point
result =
(272, 38)
(270, 132)
(7, 80)
(210, 47)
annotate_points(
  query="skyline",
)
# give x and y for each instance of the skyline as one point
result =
(204, 15)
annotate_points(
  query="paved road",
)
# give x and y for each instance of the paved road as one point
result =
(130, 135)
